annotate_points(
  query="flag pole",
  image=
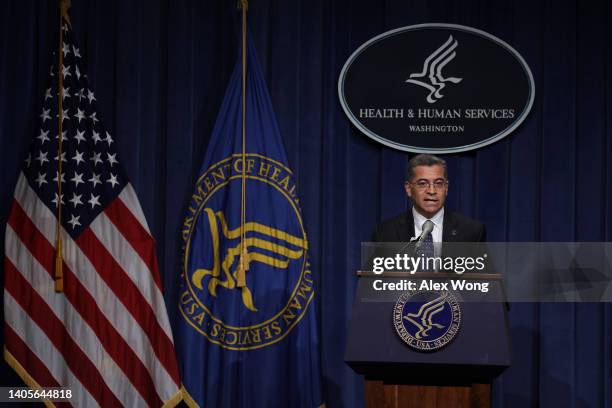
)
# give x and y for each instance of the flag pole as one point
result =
(244, 261)
(59, 274)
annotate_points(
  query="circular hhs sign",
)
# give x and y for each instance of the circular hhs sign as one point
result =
(436, 88)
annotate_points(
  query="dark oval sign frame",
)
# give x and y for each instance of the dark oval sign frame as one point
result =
(518, 119)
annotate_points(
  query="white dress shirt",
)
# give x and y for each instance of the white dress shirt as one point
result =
(436, 234)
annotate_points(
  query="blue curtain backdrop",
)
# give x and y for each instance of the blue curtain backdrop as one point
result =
(159, 69)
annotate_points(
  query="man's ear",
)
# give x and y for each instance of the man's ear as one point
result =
(408, 190)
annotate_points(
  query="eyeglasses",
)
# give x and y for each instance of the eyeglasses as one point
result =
(425, 185)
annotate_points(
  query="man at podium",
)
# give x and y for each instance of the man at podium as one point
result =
(443, 344)
(427, 187)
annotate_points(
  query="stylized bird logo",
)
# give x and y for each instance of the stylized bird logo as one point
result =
(432, 69)
(262, 246)
(423, 318)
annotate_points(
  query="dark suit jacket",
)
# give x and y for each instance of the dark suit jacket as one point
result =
(456, 228)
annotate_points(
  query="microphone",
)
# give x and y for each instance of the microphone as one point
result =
(428, 226)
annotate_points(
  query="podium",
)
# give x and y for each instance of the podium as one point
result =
(456, 375)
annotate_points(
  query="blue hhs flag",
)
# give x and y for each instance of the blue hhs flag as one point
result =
(256, 344)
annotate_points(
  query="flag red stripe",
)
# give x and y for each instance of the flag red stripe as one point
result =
(43, 316)
(34, 367)
(28, 360)
(86, 306)
(133, 231)
(126, 290)
(36, 243)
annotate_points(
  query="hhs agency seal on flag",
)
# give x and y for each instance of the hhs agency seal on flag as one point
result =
(427, 320)
(247, 329)
(278, 286)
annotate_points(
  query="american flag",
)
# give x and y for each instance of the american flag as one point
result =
(107, 336)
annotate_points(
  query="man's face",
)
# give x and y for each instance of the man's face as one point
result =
(427, 189)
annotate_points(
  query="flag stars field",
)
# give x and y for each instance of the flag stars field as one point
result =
(40, 180)
(64, 135)
(95, 179)
(76, 200)
(45, 115)
(42, 157)
(43, 136)
(78, 157)
(74, 221)
(77, 179)
(79, 136)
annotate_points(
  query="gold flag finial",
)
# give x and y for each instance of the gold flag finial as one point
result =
(64, 6)
(243, 5)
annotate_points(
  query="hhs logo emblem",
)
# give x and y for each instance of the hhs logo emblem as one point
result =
(432, 71)
(245, 285)
(427, 320)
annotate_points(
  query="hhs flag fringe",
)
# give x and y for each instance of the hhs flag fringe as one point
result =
(247, 331)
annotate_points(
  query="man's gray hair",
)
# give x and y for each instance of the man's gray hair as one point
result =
(424, 160)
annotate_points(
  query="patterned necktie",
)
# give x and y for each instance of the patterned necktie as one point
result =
(427, 250)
